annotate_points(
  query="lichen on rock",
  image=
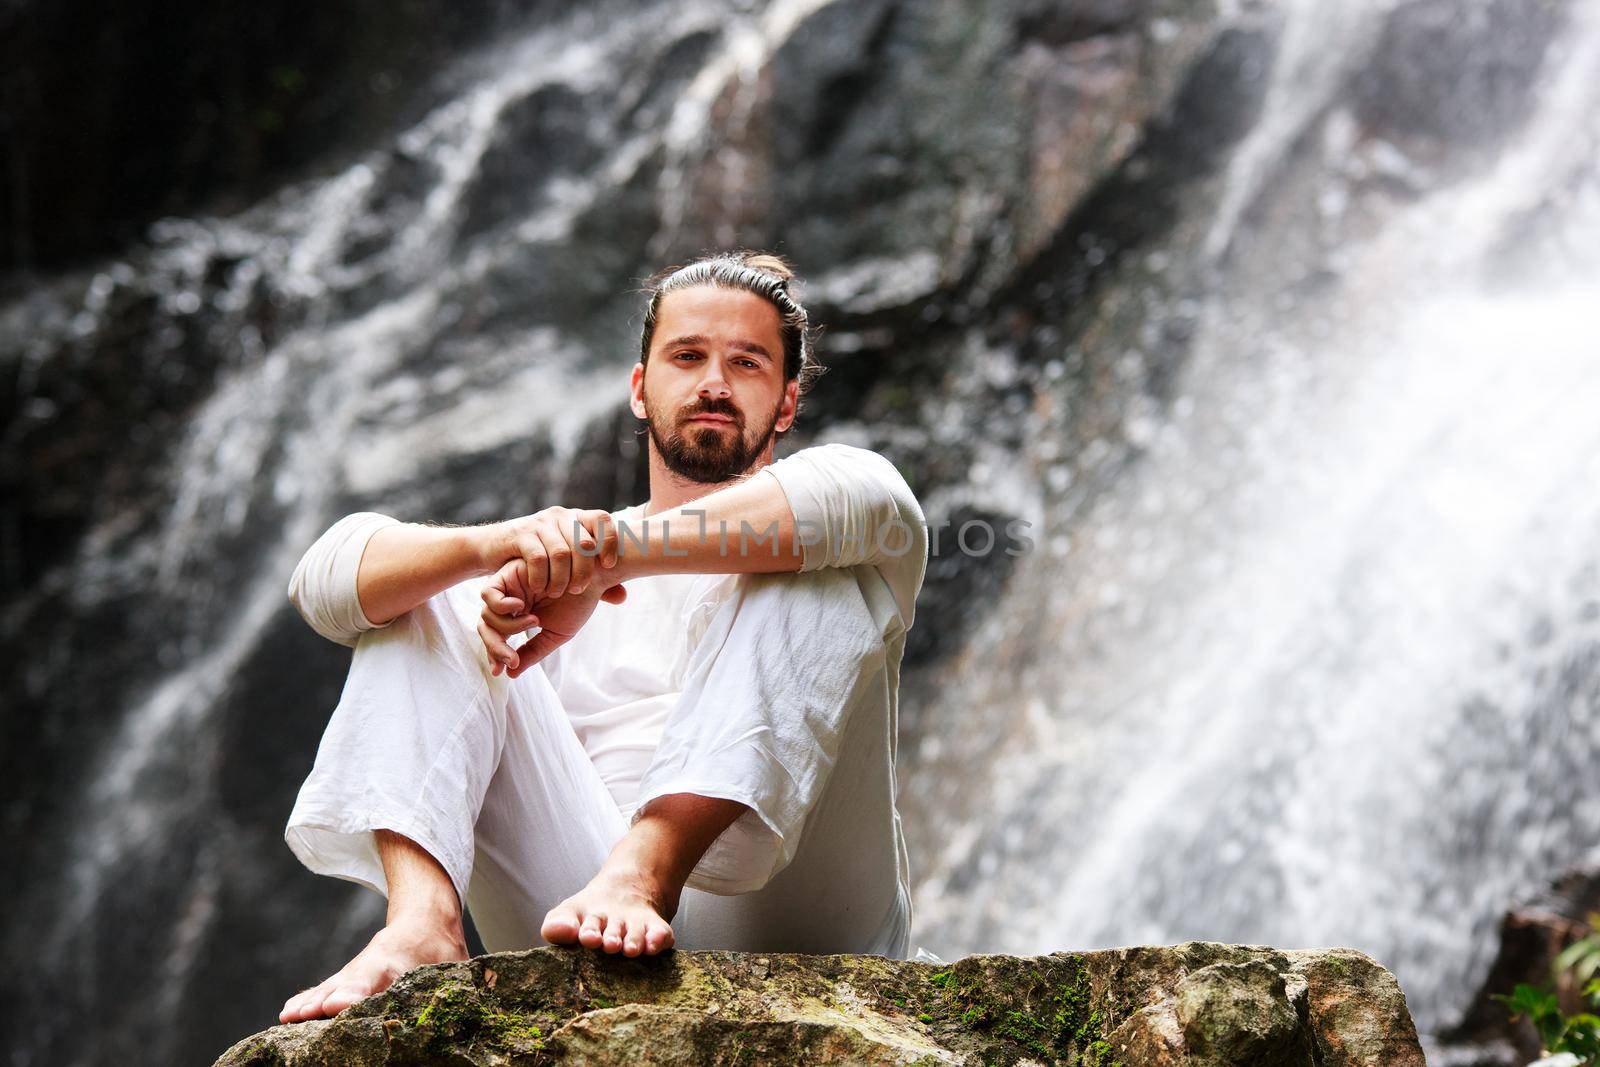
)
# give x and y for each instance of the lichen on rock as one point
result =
(1199, 1004)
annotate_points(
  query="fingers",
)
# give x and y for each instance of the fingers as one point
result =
(498, 602)
(537, 648)
(561, 548)
(504, 615)
(511, 581)
(526, 574)
(604, 529)
(506, 625)
(581, 546)
(500, 651)
(556, 556)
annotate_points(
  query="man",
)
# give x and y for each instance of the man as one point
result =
(708, 760)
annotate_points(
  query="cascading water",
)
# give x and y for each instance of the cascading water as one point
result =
(1324, 667)
(1308, 648)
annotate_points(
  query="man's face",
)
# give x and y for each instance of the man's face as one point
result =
(713, 389)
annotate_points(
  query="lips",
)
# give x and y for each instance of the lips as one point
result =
(720, 419)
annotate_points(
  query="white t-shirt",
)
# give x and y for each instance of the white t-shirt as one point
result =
(621, 674)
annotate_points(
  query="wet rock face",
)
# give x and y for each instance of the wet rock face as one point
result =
(1198, 1003)
(116, 114)
(1450, 81)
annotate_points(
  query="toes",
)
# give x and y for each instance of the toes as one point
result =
(304, 1005)
(658, 938)
(615, 931)
(342, 997)
(590, 934)
(560, 926)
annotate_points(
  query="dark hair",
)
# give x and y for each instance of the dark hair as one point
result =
(765, 274)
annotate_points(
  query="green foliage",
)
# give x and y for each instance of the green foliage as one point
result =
(1582, 957)
(1558, 1032)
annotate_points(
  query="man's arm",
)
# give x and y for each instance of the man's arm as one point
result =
(407, 563)
(368, 569)
(743, 528)
(825, 506)
(829, 505)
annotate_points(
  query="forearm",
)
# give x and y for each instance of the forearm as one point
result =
(404, 565)
(744, 528)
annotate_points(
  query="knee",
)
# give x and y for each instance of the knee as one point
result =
(820, 604)
(441, 631)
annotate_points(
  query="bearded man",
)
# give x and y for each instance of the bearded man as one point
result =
(707, 761)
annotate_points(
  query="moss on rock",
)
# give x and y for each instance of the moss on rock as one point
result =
(1190, 1004)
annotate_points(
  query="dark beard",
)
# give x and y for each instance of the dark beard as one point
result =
(703, 456)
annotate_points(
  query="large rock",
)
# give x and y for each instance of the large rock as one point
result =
(1198, 1003)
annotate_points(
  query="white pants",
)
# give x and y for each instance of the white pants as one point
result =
(489, 777)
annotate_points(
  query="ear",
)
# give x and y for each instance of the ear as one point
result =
(786, 411)
(636, 391)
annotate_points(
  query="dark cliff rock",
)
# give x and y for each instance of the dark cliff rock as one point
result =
(114, 114)
(1196, 1003)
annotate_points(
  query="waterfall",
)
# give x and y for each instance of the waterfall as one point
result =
(1324, 667)
(1290, 371)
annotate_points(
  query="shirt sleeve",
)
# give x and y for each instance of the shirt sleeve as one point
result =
(323, 586)
(853, 508)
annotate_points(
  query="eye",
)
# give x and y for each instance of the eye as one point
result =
(690, 355)
(751, 363)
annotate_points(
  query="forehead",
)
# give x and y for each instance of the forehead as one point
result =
(723, 315)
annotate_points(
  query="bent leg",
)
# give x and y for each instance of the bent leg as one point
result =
(411, 747)
(482, 776)
(423, 926)
(547, 821)
(788, 708)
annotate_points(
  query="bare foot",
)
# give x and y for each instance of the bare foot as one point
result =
(614, 912)
(393, 951)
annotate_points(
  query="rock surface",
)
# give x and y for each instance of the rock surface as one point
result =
(1198, 1003)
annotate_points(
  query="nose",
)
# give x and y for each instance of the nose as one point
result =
(713, 384)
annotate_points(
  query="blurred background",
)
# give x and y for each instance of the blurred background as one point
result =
(1274, 318)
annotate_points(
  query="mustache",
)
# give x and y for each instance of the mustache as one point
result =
(715, 407)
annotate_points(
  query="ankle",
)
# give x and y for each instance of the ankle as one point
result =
(437, 917)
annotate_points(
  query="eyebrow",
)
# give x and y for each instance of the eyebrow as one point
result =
(698, 339)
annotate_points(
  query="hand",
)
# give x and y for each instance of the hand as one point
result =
(559, 547)
(510, 606)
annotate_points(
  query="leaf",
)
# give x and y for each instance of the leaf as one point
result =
(1580, 951)
(1529, 1001)
(1581, 1037)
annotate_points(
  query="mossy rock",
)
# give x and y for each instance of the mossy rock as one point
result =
(1192, 1004)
